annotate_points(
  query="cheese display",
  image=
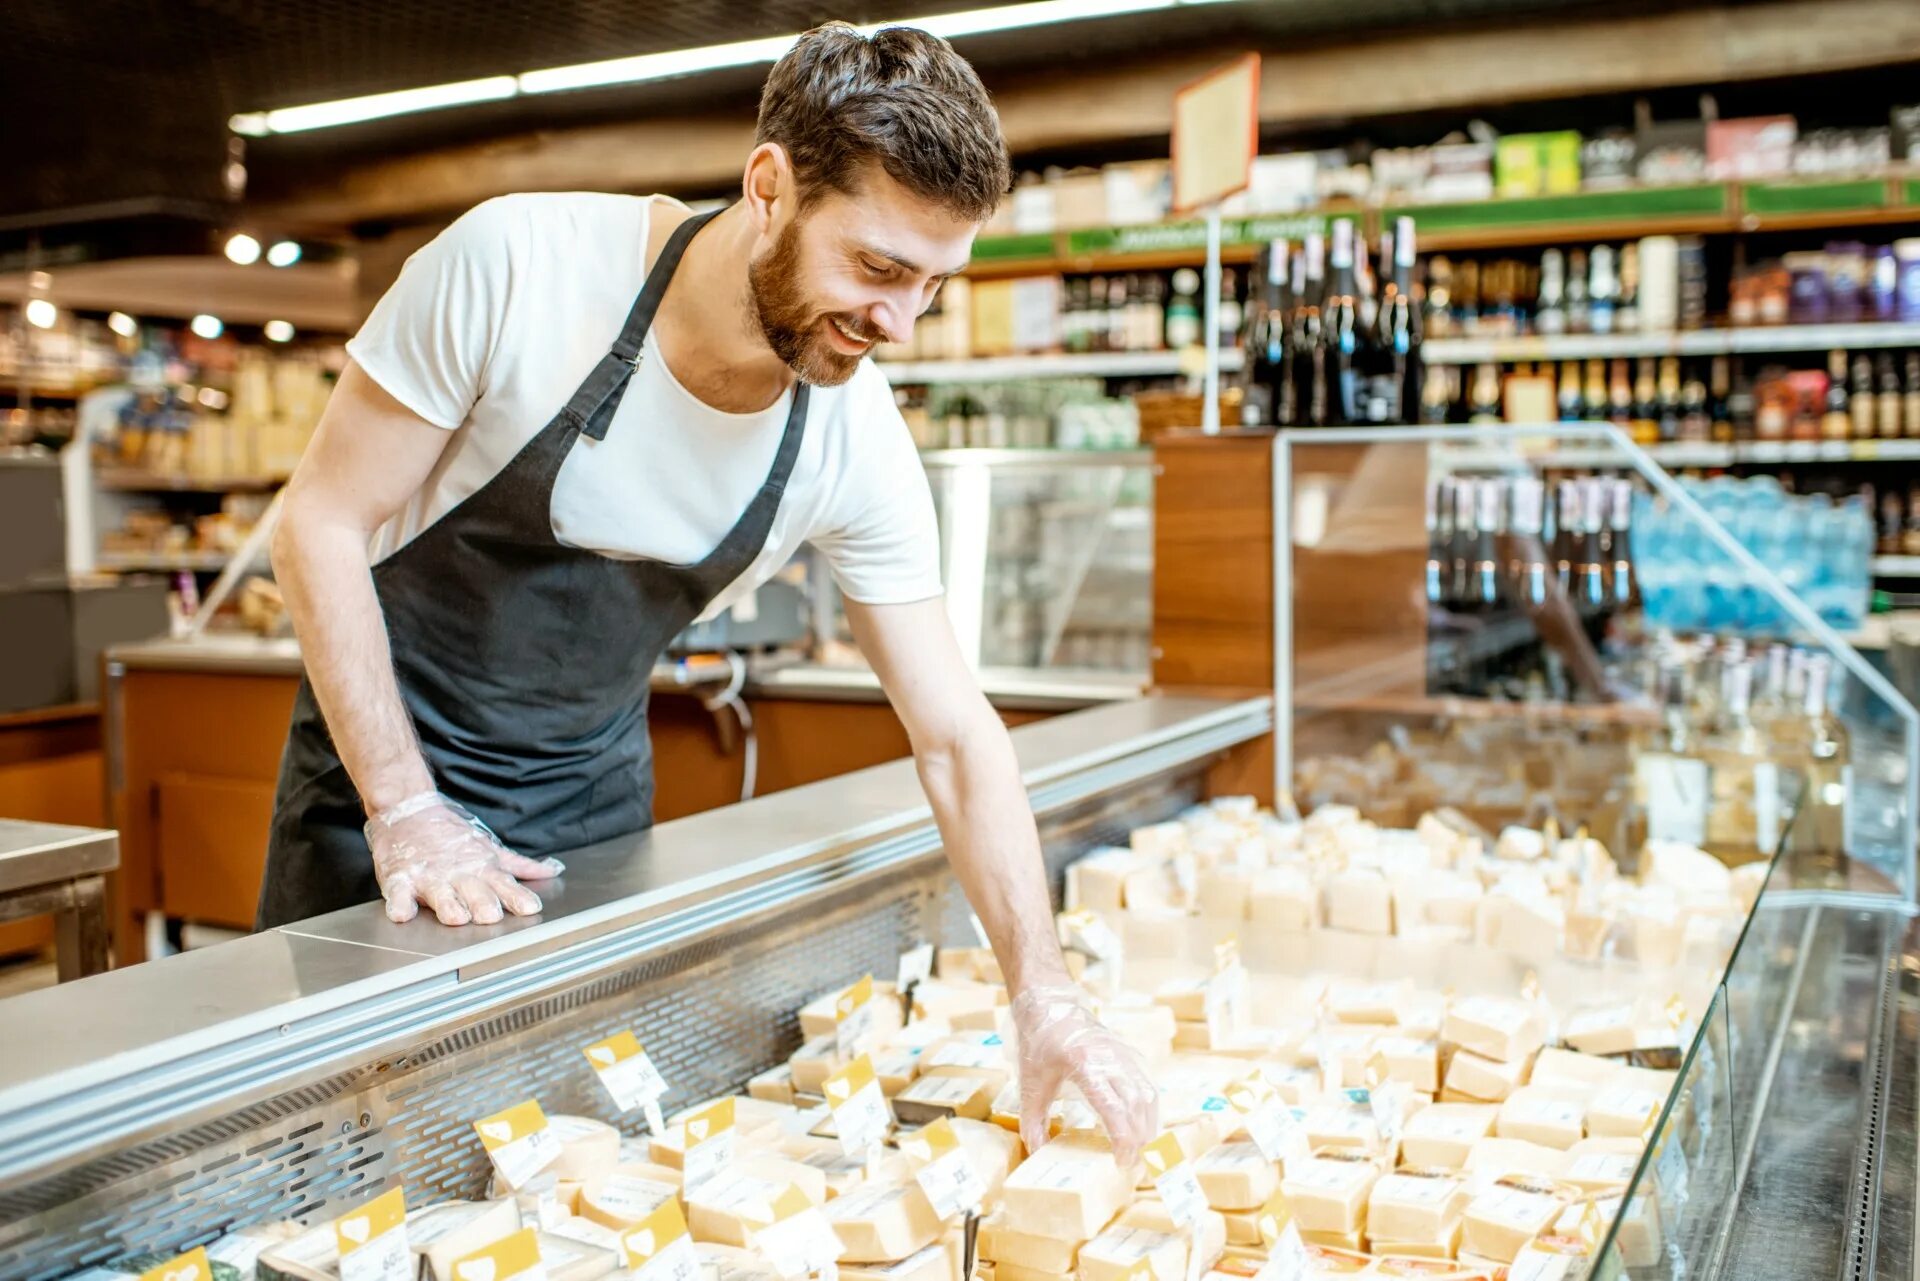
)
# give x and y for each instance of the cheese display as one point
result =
(1324, 1065)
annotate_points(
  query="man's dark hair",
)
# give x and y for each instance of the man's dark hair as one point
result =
(902, 97)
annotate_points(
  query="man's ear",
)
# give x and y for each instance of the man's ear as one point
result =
(768, 189)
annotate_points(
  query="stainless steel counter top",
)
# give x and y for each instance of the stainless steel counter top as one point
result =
(1008, 688)
(43, 853)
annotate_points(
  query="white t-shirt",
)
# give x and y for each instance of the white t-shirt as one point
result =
(493, 325)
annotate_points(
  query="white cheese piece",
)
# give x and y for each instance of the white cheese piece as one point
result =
(1494, 1028)
(1118, 1249)
(1153, 933)
(587, 1147)
(1367, 1002)
(1159, 840)
(1235, 1176)
(565, 1259)
(624, 1196)
(1607, 1030)
(1360, 901)
(1223, 893)
(1489, 1080)
(1069, 1189)
(774, 1085)
(1097, 880)
(1573, 1069)
(1001, 1244)
(1446, 1246)
(1340, 1124)
(440, 1234)
(1284, 899)
(1413, 1062)
(1623, 1111)
(1495, 1159)
(883, 1221)
(1442, 1135)
(727, 1208)
(1505, 1217)
(1415, 1205)
(1553, 1118)
(1328, 1194)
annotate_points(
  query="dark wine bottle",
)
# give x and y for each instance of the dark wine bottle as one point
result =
(1341, 332)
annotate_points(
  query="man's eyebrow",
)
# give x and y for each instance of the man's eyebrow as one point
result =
(905, 263)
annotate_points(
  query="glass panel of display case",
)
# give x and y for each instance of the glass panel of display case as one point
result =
(1522, 624)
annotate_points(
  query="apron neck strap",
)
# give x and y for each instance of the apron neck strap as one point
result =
(640, 319)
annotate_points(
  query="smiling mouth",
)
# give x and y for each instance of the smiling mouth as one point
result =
(857, 339)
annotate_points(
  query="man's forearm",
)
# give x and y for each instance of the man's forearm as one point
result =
(322, 569)
(973, 784)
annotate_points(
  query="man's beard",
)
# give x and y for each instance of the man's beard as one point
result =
(792, 327)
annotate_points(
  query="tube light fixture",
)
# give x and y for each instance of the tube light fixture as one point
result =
(123, 324)
(279, 331)
(208, 327)
(242, 249)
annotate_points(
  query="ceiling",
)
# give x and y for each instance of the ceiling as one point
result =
(312, 296)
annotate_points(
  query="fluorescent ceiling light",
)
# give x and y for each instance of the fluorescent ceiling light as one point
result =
(207, 327)
(242, 249)
(42, 314)
(123, 324)
(284, 253)
(674, 62)
(279, 331)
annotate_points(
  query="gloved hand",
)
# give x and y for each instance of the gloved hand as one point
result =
(427, 849)
(1060, 1040)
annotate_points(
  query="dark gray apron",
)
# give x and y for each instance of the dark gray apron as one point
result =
(523, 662)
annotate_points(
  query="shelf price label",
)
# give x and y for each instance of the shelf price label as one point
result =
(519, 1142)
(373, 1240)
(944, 1170)
(629, 1076)
(707, 1142)
(1225, 998)
(853, 1018)
(1174, 1179)
(660, 1248)
(916, 967)
(796, 1237)
(861, 1117)
(511, 1258)
(1269, 1122)
(1286, 1251)
(191, 1266)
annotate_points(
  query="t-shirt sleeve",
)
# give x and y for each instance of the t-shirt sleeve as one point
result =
(883, 545)
(429, 341)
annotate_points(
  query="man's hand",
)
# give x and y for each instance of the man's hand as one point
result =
(1060, 1040)
(429, 850)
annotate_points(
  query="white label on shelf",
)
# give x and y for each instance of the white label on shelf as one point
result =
(1676, 793)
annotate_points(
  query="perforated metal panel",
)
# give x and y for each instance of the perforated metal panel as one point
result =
(711, 1013)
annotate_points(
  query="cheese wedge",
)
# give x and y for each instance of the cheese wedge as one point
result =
(727, 1208)
(948, 1092)
(441, 1234)
(774, 1085)
(1328, 1194)
(883, 1221)
(945, 999)
(624, 1196)
(1001, 1244)
(1069, 1189)
(1494, 1028)
(1235, 1176)
(1416, 1205)
(817, 1016)
(1488, 1080)
(1442, 1134)
(1116, 1251)
(567, 1259)
(587, 1147)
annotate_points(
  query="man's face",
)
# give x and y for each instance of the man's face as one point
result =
(852, 270)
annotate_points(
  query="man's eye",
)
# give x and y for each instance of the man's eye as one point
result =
(878, 269)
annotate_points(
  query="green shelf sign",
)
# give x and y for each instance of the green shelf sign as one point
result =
(1814, 197)
(1704, 201)
(1911, 194)
(1009, 248)
(1176, 237)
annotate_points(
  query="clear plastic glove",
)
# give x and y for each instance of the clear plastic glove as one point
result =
(430, 850)
(1060, 1040)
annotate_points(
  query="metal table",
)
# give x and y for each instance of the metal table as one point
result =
(53, 868)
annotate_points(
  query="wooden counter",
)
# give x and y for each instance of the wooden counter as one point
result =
(50, 772)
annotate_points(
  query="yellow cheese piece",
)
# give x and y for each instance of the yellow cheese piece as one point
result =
(1223, 893)
(587, 1147)
(948, 1092)
(567, 1259)
(1505, 1217)
(1284, 899)
(441, 1234)
(774, 1085)
(1416, 1205)
(1554, 1118)
(1367, 1002)
(994, 1152)
(1068, 1189)
(1243, 1228)
(934, 1263)
(1147, 1028)
(1530, 924)
(1622, 1111)
(624, 1196)
(1187, 998)
(1013, 1272)
(813, 1063)
(883, 1221)
(1494, 1028)
(731, 1263)
(1570, 1068)
(1097, 880)
(1235, 1176)
(1442, 1134)
(1206, 1239)
(1602, 1165)
(1159, 840)
(1116, 1251)
(1153, 932)
(1489, 1080)
(1329, 1194)
(943, 999)
(728, 1207)
(816, 1016)
(1608, 1030)
(1494, 1159)
(844, 1173)
(1446, 1246)
(1340, 1124)
(1359, 900)
(1413, 1062)
(1002, 1245)
(1350, 1242)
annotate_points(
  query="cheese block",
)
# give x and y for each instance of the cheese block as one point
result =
(1495, 1159)
(949, 1092)
(624, 1196)
(883, 1221)
(1622, 1111)
(813, 1063)
(1235, 1176)
(1014, 1272)
(1508, 1215)
(774, 1085)
(845, 1173)
(1153, 933)
(895, 1067)
(1117, 1250)
(1367, 1002)
(1284, 899)
(1068, 1189)
(1493, 1028)
(567, 1259)
(1361, 901)
(1207, 1239)
(441, 1234)
(1488, 1080)
(1441, 1135)
(727, 1208)
(1445, 1246)
(1602, 1165)
(1223, 892)
(1339, 1123)
(1346, 1242)
(943, 999)
(1001, 1244)
(1352, 1048)
(731, 1263)
(1610, 1029)
(1415, 1205)
(976, 1050)
(934, 1263)
(1329, 1194)
(1554, 1118)
(587, 1147)
(1532, 924)
(1243, 1228)
(313, 1255)
(1097, 880)
(994, 1152)
(817, 1015)
(775, 1168)
(1412, 1061)
(1159, 840)
(1153, 887)
(1572, 1069)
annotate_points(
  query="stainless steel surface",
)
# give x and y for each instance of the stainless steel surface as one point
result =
(1007, 688)
(331, 1064)
(35, 854)
(1043, 459)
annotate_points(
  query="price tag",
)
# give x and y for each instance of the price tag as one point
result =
(946, 1173)
(373, 1240)
(796, 1237)
(1670, 1170)
(1269, 1122)
(861, 1117)
(191, 1266)
(1174, 1179)
(1388, 1104)
(916, 967)
(1286, 1252)
(511, 1258)
(660, 1249)
(853, 1018)
(519, 1142)
(707, 1143)
(628, 1075)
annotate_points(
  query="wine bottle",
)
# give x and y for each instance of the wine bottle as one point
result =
(1887, 408)
(1341, 332)
(1551, 315)
(1310, 396)
(1395, 348)
(1837, 422)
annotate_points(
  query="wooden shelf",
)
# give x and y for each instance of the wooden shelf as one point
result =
(1685, 342)
(1482, 709)
(1116, 364)
(136, 480)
